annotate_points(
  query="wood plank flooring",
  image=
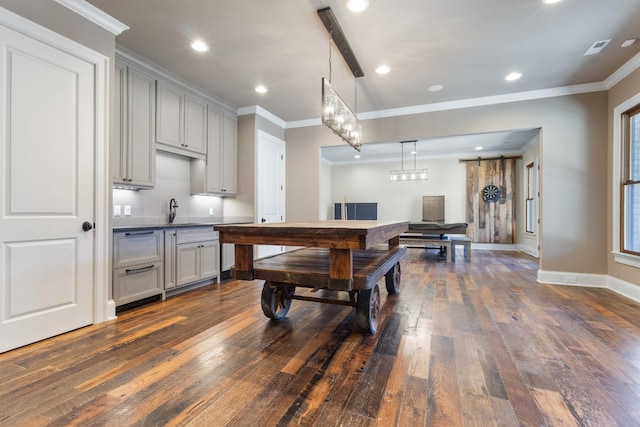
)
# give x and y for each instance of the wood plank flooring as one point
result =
(463, 344)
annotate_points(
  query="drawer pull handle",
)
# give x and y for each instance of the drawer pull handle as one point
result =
(139, 270)
(140, 233)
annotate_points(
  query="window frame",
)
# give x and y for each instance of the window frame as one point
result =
(530, 204)
(627, 145)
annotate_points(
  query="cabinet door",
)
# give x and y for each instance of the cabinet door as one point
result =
(229, 155)
(188, 263)
(214, 152)
(141, 128)
(195, 125)
(135, 283)
(169, 115)
(136, 247)
(119, 146)
(170, 260)
(209, 260)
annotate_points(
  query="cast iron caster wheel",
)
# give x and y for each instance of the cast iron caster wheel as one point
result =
(368, 310)
(276, 299)
(392, 279)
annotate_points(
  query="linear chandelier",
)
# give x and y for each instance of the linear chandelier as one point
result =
(408, 174)
(336, 115)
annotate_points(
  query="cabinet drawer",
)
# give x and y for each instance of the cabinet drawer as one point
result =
(137, 282)
(137, 247)
(200, 234)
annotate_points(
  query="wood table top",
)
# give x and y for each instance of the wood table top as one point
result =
(332, 234)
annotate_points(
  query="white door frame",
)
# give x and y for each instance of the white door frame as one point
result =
(103, 308)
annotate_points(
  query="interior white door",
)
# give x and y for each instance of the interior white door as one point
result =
(270, 175)
(47, 114)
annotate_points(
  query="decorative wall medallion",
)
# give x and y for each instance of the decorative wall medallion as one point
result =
(490, 193)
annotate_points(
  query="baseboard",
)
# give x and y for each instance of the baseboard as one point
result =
(494, 246)
(625, 289)
(111, 310)
(528, 250)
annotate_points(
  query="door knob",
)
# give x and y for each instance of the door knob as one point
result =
(86, 226)
(263, 220)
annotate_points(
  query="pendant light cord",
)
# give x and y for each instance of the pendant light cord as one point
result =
(330, 40)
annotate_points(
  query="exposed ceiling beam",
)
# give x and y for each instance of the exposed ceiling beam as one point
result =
(333, 27)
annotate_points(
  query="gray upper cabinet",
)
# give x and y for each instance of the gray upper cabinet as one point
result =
(229, 156)
(218, 174)
(134, 120)
(181, 121)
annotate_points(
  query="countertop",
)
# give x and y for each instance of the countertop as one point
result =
(139, 227)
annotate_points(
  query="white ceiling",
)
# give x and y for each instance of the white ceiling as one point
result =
(468, 46)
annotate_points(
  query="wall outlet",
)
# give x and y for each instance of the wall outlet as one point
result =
(116, 210)
(210, 211)
(127, 210)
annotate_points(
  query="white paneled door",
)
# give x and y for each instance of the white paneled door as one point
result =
(270, 175)
(48, 115)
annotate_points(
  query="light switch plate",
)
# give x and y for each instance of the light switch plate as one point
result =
(116, 210)
(210, 211)
(127, 210)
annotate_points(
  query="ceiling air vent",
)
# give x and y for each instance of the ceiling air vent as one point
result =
(597, 47)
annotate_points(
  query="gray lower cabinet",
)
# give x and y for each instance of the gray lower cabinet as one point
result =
(192, 255)
(138, 258)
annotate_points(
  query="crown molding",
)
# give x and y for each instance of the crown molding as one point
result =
(161, 72)
(259, 111)
(622, 72)
(304, 123)
(467, 103)
(95, 15)
(483, 101)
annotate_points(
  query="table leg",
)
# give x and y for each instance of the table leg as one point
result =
(244, 262)
(341, 268)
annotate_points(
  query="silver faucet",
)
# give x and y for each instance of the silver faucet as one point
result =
(172, 210)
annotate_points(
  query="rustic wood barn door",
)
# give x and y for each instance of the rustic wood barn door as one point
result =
(491, 188)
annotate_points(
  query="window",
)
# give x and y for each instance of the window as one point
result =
(630, 201)
(530, 198)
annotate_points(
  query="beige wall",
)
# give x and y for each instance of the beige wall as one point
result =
(243, 205)
(573, 167)
(369, 182)
(527, 242)
(626, 89)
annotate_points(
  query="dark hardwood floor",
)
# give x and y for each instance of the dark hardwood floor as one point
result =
(463, 344)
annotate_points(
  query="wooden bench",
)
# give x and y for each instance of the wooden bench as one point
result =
(464, 241)
(427, 242)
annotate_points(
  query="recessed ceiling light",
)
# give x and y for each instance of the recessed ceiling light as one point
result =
(383, 69)
(513, 76)
(478, 148)
(551, 1)
(435, 88)
(357, 5)
(199, 46)
(261, 89)
(357, 156)
(628, 42)
(597, 47)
